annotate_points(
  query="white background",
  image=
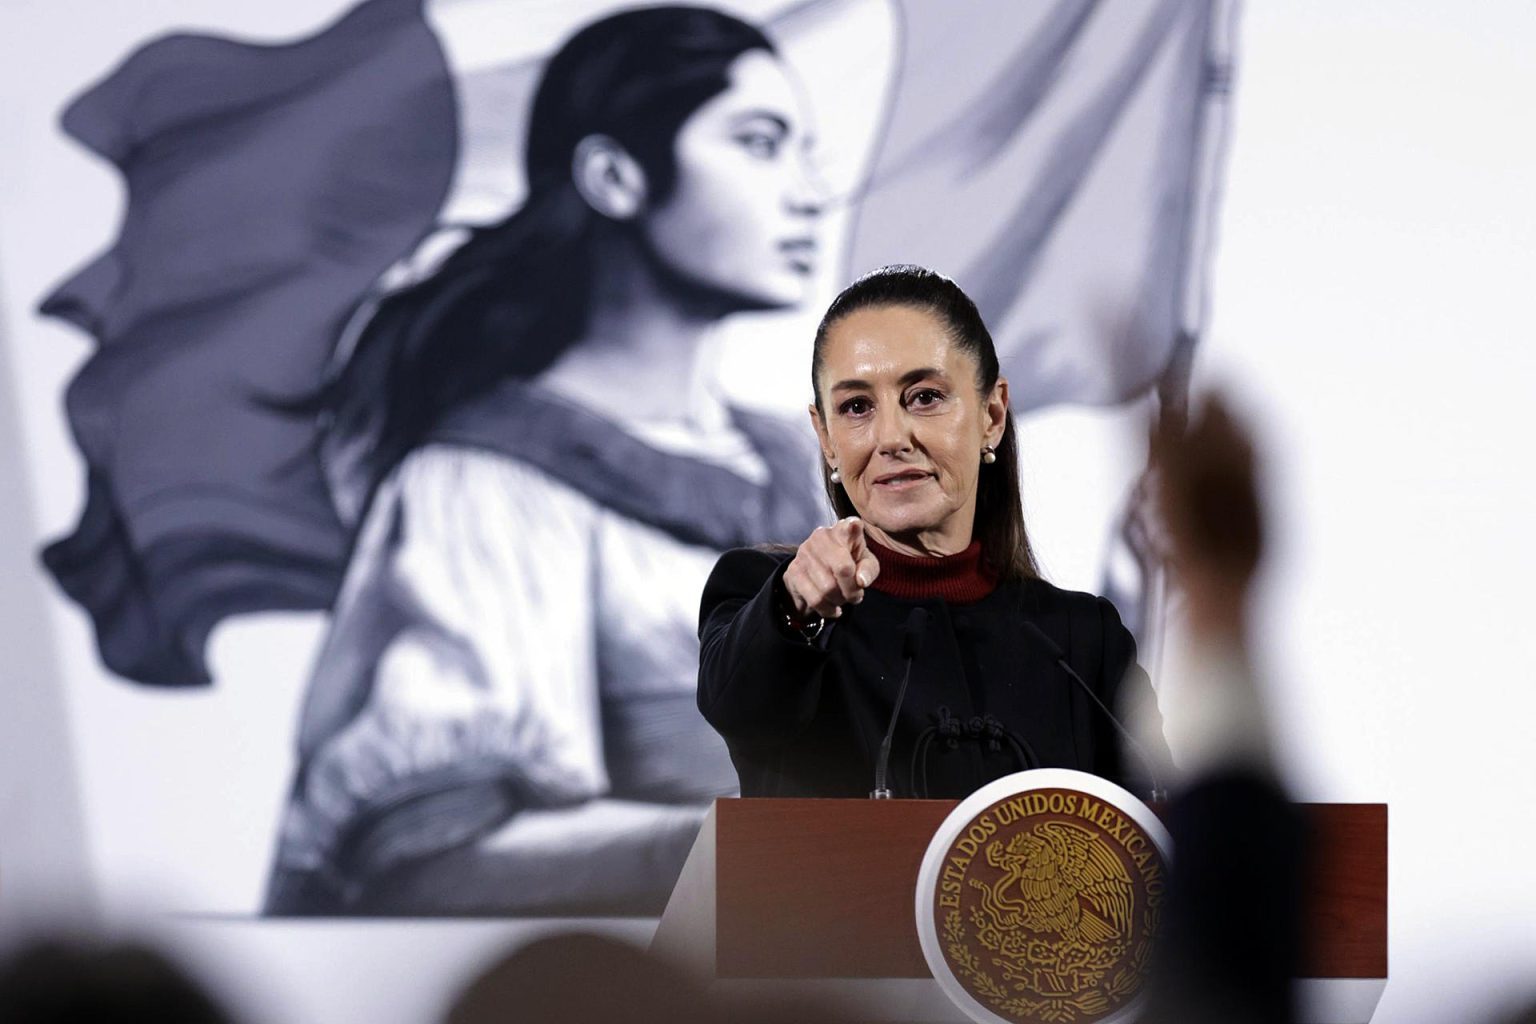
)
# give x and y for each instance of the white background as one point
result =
(1371, 297)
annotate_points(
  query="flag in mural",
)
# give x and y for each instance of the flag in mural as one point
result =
(420, 322)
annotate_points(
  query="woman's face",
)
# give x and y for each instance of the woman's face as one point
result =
(741, 219)
(904, 426)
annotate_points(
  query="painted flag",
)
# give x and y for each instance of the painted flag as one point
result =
(268, 188)
(1057, 160)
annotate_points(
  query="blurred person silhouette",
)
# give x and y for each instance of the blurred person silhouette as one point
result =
(1231, 938)
(1525, 1014)
(59, 981)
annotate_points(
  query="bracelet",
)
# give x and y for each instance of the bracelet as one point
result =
(810, 628)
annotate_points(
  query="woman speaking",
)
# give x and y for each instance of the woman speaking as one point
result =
(804, 653)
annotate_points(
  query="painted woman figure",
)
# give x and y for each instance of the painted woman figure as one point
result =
(546, 478)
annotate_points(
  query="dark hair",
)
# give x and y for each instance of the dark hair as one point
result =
(59, 981)
(999, 511)
(514, 296)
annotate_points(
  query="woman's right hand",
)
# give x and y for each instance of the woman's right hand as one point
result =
(830, 570)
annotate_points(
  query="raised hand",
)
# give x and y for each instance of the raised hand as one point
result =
(1208, 500)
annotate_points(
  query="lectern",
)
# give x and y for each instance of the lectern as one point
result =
(816, 897)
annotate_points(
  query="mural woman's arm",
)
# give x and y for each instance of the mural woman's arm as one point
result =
(459, 682)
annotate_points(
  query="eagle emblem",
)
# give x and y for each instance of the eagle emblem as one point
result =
(1044, 904)
(1059, 916)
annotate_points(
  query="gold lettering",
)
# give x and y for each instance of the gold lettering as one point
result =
(1119, 829)
(984, 827)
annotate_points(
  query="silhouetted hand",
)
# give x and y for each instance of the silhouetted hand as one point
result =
(1207, 500)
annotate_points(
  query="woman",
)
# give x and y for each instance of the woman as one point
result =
(547, 481)
(802, 652)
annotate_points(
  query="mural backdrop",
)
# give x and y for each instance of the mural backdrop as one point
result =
(479, 328)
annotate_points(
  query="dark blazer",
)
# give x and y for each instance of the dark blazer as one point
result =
(806, 719)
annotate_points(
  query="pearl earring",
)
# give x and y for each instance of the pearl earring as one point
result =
(837, 477)
(988, 454)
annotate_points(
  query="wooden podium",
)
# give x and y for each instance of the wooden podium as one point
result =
(816, 897)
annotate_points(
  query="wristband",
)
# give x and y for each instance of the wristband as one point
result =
(807, 629)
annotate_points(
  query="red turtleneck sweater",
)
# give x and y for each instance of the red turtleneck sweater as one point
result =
(958, 578)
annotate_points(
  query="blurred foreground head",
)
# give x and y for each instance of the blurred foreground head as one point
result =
(59, 982)
(1526, 1014)
(577, 978)
(580, 978)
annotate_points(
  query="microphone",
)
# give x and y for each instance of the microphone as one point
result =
(913, 632)
(1054, 650)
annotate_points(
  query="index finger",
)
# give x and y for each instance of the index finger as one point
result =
(866, 568)
(853, 535)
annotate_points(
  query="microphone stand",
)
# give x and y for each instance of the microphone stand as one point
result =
(912, 643)
(1054, 649)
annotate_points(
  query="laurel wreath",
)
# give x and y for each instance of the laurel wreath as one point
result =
(1047, 1009)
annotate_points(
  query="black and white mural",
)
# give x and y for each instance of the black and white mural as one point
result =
(436, 354)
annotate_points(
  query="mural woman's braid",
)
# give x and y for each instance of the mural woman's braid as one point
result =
(511, 299)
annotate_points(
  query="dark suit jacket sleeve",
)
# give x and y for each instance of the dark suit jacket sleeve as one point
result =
(1125, 685)
(758, 683)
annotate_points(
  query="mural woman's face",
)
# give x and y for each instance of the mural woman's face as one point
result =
(741, 220)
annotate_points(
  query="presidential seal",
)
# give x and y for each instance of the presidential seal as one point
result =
(1038, 899)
